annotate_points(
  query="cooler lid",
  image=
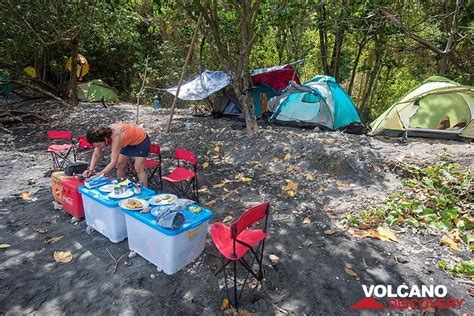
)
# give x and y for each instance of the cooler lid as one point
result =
(103, 198)
(71, 183)
(192, 220)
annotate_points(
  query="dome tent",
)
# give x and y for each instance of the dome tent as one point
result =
(95, 91)
(319, 102)
(420, 112)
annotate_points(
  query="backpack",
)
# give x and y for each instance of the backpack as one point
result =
(355, 128)
(75, 168)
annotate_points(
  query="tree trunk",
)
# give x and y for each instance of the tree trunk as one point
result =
(323, 40)
(75, 52)
(374, 74)
(356, 63)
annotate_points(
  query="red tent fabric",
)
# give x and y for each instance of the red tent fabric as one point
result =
(275, 77)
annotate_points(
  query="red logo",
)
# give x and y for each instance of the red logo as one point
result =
(368, 303)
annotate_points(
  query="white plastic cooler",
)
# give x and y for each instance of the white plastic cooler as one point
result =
(168, 249)
(104, 215)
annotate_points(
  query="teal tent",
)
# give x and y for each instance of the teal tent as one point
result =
(6, 87)
(319, 102)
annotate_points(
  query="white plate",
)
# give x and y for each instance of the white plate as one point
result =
(124, 195)
(158, 199)
(107, 188)
(123, 203)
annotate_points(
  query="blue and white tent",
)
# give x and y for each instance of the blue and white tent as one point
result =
(319, 102)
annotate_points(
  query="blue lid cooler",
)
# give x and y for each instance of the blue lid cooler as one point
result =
(104, 214)
(168, 249)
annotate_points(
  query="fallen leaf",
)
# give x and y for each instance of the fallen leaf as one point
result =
(217, 149)
(287, 157)
(222, 130)
(309, 176)
(53, 240)
(329, 231)
(205, 165)
(351, 272)
(221, 184)
(40, 230)
(274, 258)
(25, 195)
(62, 256)
(225, 304)
(448, 241)
(290, 188)
(246, 179)
(341, 184)
(4, 246)
(306, 221)
(227, 219)
(203, 189)
(291, 169)
(275, 159)
(327, 142)
(386, 234)
(210, 203)
(381, 233)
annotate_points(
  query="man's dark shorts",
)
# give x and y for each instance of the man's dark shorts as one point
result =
(140, 150)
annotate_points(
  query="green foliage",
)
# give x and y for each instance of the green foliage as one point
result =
(440, 197)
(461, 269)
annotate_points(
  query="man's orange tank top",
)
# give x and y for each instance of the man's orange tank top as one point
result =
(132, 135)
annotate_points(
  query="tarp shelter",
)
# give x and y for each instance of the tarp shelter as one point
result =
(199, 88)
(437, 108)
(266, 83)
(82, 66)
(319, 102)
(96, 90)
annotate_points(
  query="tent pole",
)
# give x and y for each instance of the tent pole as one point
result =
(188, 57)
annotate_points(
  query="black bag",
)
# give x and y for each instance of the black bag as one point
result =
(355, 128)
(75, 168)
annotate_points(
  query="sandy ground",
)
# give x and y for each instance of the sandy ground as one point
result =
(309, 278)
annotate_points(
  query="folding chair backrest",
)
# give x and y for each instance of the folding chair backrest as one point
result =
(250, 217)
(83, 143)
(155, 149)
(185, 155)
(64, 135)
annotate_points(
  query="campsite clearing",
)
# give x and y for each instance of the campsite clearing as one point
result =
(329, 175)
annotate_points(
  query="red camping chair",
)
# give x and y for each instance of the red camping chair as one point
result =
(83, 143)
(236, 241)
(60, 146)
(182, 180)
(153, 166)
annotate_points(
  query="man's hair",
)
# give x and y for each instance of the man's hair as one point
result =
(98, 134)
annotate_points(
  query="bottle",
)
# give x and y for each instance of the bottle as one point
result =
(156, 103)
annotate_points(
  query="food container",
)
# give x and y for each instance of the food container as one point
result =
(72, 199)
(56, 187)
(168, 249)
(103, 213)
(137, 188)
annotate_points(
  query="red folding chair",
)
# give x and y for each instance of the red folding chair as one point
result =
(153, 166)
(60, 146)
(182, 180)
(236, 240)
(83, 144)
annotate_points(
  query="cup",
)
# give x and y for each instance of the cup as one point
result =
(117, 190)
(123, 188)
(137, 188)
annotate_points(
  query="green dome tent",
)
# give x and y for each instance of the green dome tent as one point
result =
(438, 108)
(95, 91)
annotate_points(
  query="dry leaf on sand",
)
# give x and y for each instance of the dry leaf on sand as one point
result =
(329, 231)
(274, 258)
(450, 242)
(306, 221)
(381, 233)
(4, 246)
(25, 195)
(225, 304)
(53, 240)
(210, 203)
(227, 219)
(205, 165)
(62, 256)
(351, 272)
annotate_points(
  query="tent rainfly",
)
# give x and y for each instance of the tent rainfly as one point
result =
(95, 91)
